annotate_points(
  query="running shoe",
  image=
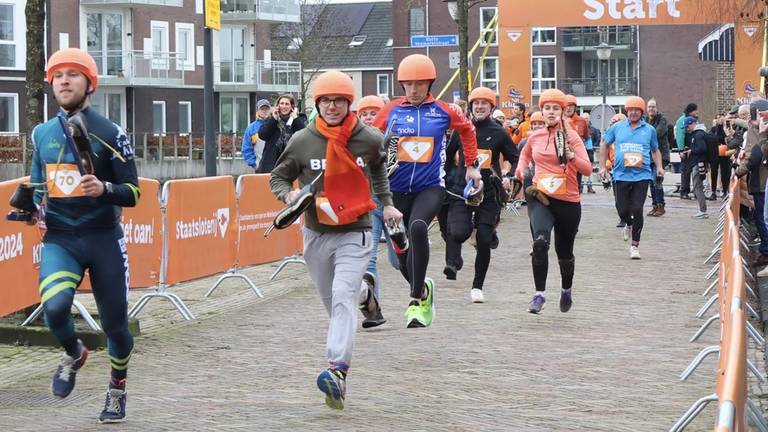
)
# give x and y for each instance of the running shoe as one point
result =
(114, 406)
(334, 384)
(621, 224)
(421, 313)
(701, 215)
(626, 233)
(634, 252)
(537, 304)
(566, 301)
(450, 272)
(477, 295)
(66, 372)
(371, 309)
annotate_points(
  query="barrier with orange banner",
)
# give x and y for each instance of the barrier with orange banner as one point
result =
(142, 227)
(200, 227)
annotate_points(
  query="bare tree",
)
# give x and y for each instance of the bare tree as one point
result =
(35, 14)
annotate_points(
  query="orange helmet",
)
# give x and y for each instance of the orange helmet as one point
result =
(74, 58)
(617, 118)
(571, 99)
(635, 102)
(333, 82)
(483, 93)
(370, 102)
(416, 67)
(537, 117)
(552, 96)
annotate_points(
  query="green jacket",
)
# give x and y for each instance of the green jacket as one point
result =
(304, 159)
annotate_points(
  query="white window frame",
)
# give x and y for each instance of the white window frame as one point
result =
(495, 29)
(19, 36)
(378, 88)
(358, 40)
(423, 22)
(159, 59)
(164, 129)
(535, 80)
(234, 97)
(103, 62)
(483, 80)
(189, 117)
(15, 97)
(535, 30)
(189, 64)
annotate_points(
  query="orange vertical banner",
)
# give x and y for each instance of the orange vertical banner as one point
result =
(142, 228)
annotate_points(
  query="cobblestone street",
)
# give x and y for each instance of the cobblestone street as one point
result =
(611, 364)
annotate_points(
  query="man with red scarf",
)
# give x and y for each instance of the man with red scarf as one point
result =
(349, 157)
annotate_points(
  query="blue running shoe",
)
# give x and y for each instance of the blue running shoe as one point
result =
(64, 377)
(334, 385)
(537, 304)
(114, 406)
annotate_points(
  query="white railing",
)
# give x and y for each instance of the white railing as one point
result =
(267, 10)
(139, 68)
(177, 3)
(276, 76)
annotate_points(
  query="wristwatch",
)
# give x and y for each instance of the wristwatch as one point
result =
(476, 163)
(108, 188)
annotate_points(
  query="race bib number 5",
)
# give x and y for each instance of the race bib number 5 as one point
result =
(552, 184)
(415, 149)
(63, 181)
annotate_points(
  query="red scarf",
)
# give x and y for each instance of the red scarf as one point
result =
(345, 184)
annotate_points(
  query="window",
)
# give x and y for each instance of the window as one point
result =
(109, 103)
(159, 45)
(232, 54)
(158, 117)
(185, 117)
(486, 15)
(9, 113)
(7, 37)
(382, 85)
(544, 36)
(185, 46)
(416, 23)
(489, 76)
(358, 40)
(389, 42)
(104, 36)
(233, 114)
(544, 73)
(295, 43)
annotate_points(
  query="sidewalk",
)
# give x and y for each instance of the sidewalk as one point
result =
(611, 364)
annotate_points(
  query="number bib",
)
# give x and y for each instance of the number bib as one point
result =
(551, 184)
(415, 149)
(633, 160)
(484, 158)
(63, 181)
(325, 213)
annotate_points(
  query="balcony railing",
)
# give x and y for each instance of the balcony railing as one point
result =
(594, 86)
(590, 37)
(264, 10)
(240, 75)
(139, 68)
(176, 3)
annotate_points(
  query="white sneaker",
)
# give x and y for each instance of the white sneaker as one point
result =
(634, 252)
(477, 295)
(701, 215)
(626, 232)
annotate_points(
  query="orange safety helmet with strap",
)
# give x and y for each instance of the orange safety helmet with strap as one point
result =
(333, 82)
(370, 102)
(552, 96)
(483, 93)
(635, 102)
(74, 58)
(416, 67)
(571, 100)
(537, 117)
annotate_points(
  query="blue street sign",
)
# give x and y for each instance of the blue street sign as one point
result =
(434, 40)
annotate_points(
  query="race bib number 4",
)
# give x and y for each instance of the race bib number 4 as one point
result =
(633, 160)
(484, 158)
(416, 149)
(63, 181)
(552, 184)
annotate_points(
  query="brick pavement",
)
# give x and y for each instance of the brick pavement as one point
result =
(611, 364)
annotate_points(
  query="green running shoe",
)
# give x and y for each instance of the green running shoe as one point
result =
(421, 314)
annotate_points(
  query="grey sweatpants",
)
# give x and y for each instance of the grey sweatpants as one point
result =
(336, 263)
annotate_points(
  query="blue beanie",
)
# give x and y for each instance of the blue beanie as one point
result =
(690, 120)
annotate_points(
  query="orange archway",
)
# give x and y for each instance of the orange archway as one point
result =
(517, 18)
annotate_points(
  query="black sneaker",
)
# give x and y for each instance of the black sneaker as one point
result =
(114, 406)
(566, 301)
(494, 240)
(621, 224)
(450, 272)
(371, 309)
(64, 377)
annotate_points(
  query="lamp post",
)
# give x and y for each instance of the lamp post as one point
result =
(604, 54)
(459, 10)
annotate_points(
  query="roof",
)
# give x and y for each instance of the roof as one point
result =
(337, 25)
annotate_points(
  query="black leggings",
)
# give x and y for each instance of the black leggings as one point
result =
(630, 199)
(724, 165)
(564, 217)
(462, 219)
(418, 209)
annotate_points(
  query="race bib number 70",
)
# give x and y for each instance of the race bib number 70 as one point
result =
(63, 181)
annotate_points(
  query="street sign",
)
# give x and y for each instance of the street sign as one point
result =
(456, 95)
(213, 14)
(453, 59)
(434, 41)
(600, 116)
